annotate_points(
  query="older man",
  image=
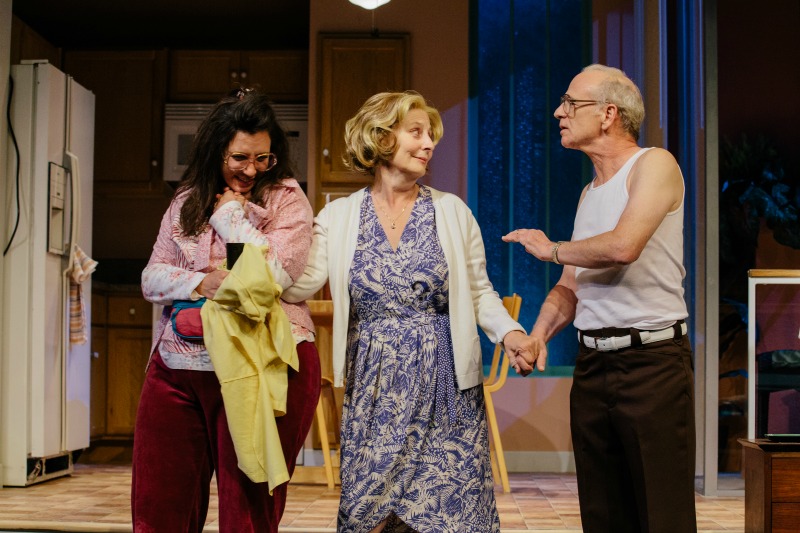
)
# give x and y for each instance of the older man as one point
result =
(632, 401)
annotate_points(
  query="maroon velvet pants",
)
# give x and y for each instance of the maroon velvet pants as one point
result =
(181, 439)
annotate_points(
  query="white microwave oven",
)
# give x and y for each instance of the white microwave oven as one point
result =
(180, 126)
(182, 120)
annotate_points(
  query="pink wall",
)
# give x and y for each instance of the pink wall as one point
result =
(778, 317)
(533, 414)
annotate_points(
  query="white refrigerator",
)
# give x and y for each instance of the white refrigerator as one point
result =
(47, 205)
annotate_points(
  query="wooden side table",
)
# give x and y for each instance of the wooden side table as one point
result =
(772, 486)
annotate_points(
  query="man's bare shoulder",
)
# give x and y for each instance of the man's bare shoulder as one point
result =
(656, 166)
(657, 158)
(656, 178)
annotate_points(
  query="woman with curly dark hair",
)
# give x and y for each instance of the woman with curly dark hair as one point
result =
(238, 187)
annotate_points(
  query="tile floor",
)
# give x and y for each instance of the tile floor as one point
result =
(96, 498)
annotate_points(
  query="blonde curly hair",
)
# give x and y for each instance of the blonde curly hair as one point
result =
(369, 135)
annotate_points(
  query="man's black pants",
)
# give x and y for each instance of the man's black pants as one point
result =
(633, 433)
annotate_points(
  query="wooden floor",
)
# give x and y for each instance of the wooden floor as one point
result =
(96, 498)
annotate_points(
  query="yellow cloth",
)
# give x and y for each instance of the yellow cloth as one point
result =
(250, 342)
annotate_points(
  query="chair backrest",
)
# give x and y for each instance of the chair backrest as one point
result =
(322, 316)
(498, 370)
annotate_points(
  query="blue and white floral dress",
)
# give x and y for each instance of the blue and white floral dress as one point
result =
(414, 446)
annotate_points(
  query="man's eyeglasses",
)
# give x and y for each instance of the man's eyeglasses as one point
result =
(569, 104)
(237, 161)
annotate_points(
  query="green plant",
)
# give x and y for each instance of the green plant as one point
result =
(754, 175)
(754, 186)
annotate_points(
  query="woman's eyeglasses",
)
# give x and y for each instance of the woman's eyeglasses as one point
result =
(237, 161)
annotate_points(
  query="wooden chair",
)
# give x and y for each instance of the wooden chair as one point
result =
(322, 316)
(493, 382)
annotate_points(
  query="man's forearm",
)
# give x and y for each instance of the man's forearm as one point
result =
(557, 311)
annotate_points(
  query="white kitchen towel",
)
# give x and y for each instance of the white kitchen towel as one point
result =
(82, 267)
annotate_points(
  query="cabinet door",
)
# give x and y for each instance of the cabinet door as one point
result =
(129, 99)
(352, 69)
(129, 310)
(99, 309)
(99, 380)
(26, 43)
(128, 351)
(282, 75)
(785, 517)
(202, 75)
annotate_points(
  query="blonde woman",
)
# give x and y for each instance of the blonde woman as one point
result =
(407, 273)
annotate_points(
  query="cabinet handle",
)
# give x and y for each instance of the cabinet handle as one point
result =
(96, 355)
(154, 163)
(244, 74)
(234, 74)
(326, 152)
(132, 311)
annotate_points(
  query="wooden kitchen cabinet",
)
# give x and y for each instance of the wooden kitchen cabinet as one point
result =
(129, 193)
(129, 89)
(207, 75)
(352, 68)
(99, 367)
(772, 486)
(27, 43)
(121, 341)
(128, 351)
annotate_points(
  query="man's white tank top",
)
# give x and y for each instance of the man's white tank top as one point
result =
(648, 293)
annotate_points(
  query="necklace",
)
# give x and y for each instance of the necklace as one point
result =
(393, 222)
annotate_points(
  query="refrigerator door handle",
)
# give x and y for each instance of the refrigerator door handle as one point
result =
(75, 211)
(74, 224)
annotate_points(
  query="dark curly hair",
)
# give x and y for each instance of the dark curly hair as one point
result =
(244, 110)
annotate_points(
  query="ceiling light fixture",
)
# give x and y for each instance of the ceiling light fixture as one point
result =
(369, 4)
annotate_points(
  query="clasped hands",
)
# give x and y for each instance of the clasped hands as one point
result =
(229, 195)
(524, 351)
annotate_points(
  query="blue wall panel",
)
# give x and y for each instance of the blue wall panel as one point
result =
(524, 55)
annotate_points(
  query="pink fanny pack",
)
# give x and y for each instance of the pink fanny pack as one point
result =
(186, 320)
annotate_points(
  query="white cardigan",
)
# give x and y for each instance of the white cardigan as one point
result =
(332, 251)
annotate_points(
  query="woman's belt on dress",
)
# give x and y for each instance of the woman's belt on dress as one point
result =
(444, 395)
